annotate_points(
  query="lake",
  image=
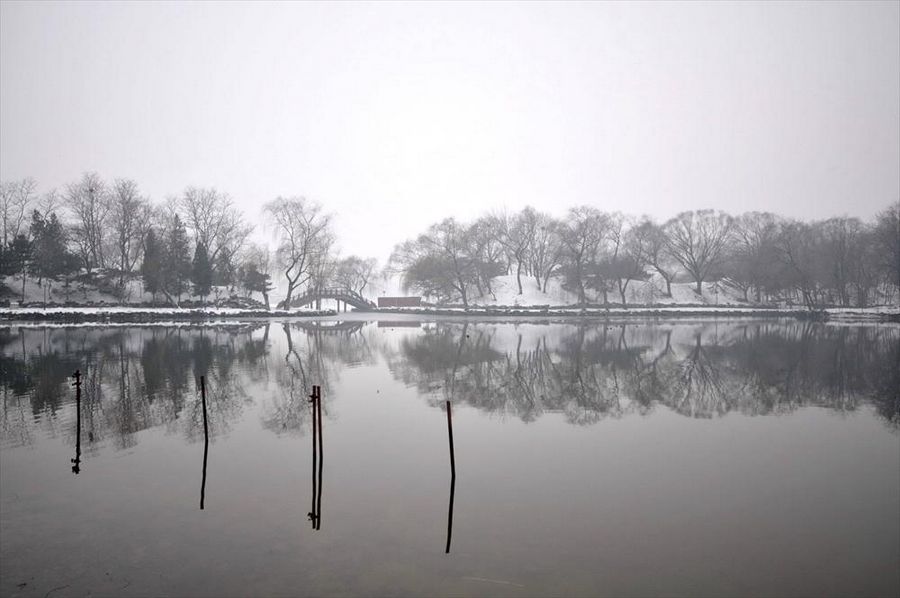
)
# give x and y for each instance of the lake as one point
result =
(591, 458)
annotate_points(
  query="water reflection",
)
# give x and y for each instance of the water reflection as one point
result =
(589, 372)
(135, 378)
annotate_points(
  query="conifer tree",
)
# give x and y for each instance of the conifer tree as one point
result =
(255, 281)
(201, 272)
(177, 271)
(223, 271)
(17, 258)
(50, 255)
(151, 269)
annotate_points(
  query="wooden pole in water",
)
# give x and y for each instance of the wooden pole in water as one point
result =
(312, 514)
(452, 478)
(205, 441)
(318, 392)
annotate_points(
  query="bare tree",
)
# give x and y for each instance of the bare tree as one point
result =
(517, 235)
(438, 263)
(697, 240)
(89, 202)
(546, 249)
(658, 255)
(610, 265)
(634, 256)
(48, 202)
(302, 229)
(887, 247)
(323, 262)
(841, 236)
(16, 197)
(753, 262)
(213, 220)
(129, 222)
(583, 233)
(355, 272)
(800, 249)
(486, 249)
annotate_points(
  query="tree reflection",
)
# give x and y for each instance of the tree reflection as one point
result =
(314, 354)
(598, 370)
(133, 379)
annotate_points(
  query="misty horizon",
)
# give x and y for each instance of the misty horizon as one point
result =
(394, 117)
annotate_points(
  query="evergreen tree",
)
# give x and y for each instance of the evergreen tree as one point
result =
(50, 255)
(255, 281)
(151, 269)
(70, 266)
(5, 264)
(18, 257)
(177, 271)
(223, 271)
(201, 271)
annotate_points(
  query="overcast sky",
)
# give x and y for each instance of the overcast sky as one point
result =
(394, 115)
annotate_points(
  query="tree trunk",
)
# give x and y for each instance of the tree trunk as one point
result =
(546, 280)
(170, 298)
(700, 287)
(519, 276)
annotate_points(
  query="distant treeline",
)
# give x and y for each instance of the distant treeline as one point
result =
(105, 234)
(841, 261)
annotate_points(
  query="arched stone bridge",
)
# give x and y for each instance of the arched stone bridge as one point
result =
(348, 296)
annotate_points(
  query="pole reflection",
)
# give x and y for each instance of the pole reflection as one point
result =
(76, 467)
(315, 516)
(452, 478)
(205, 441)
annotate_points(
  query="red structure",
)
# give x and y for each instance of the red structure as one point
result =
(399, 301)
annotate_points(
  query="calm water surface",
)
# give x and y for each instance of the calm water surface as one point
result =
(648, 458)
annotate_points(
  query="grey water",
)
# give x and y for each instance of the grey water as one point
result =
(592, 458)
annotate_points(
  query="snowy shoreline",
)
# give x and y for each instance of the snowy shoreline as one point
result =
(114, 314)
(122, 314)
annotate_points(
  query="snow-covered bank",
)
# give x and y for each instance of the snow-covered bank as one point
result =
(875, 315)
(146, 314)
